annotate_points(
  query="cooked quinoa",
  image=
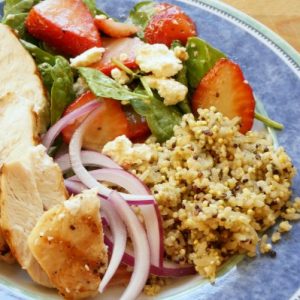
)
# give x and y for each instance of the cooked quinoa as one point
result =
(216, 189)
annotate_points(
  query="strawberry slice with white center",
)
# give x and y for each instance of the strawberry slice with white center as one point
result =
(225, 88)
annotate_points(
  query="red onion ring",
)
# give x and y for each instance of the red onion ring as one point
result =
(169, 269)
(140, 247)
(88, 158)
(55, 130)
(74, 186)
(151, 213)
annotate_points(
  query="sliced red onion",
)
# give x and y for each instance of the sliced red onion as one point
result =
(119, 235)
(169, 269)
(151, 213)
(74, 186)
(55, 130)
(140, 247)
(88, 158)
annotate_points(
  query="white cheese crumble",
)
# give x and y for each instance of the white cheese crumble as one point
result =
(100, 17)
(80, 87)
(158, 59)
(181, 53)
(119, 75)
(171, 90)
(87, 58)
(124, 152)
(72, 206)
(123, 57)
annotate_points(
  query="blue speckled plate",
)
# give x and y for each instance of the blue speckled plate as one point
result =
(273, 69)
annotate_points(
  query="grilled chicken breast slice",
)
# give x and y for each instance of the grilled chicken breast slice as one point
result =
(21, 208)
(17, 133)
(18, 73)
(68, 243)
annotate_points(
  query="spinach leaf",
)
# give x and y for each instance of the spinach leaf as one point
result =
(62, 88)
(92, 6)
(181, 77)
(161, 119)
(57, 76)
(45, 71)
(141, 14)
(38, 54)
(103, 86)
(202, 57)
(15, 13)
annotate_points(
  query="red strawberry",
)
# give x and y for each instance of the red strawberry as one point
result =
(110, 122)
(66, 25)
(115, 29)
(169, 23)
(225, 87)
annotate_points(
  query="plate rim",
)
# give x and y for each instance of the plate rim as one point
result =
(263, 33)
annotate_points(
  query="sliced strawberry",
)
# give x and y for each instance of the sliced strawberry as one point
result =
(225, 87)
(113, 120)
(169, 23)
(67, 25)
(115, 29)
(109, 123)
(138, 130)
(106, 69)
(115, 48)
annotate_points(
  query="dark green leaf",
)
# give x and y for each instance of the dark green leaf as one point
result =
(92, 6)
(182, 78)
(141, 14)
(38, 54)
(12, 7)
(45, 71)
(103, 86)
(202, 57)
(62, 89)
(161, 119)
(15, 13)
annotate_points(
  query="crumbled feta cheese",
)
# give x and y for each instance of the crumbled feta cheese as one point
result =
(80, 86)
(181, 53)
(123, 152)
(158, 59)
(119, 75)
(87, 58)
(72, 205)
(123, 57)
(100, 17)
(171, 90)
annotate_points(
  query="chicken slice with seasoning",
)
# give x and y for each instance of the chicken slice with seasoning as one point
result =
(68, 244)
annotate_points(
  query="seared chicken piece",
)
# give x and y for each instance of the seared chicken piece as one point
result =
(68, 243)
(28, 186)
(5, 254)
(18, 72)
(17, 126)
(17, 133)
(49, 178)
(21, 208)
